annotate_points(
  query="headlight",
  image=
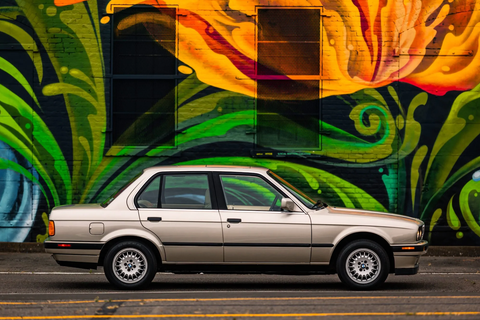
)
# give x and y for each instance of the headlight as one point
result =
(420, 232)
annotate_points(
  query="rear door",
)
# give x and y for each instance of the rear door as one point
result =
(178, 208)
(255, 228)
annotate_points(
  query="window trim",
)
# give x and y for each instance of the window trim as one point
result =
(318, 77)
(133, 150)
(287, 76)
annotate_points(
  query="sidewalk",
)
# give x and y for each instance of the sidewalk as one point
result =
(435, 251)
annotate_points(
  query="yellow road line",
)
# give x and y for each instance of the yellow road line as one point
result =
(238, 299)
(247, 315)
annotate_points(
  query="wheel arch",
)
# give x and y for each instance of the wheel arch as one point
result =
(362, 236)
(144, 241)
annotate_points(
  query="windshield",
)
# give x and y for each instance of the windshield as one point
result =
(306, 200)
(118, 192)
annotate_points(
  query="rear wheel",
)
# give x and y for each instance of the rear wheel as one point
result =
(363, 265)
(130, 265)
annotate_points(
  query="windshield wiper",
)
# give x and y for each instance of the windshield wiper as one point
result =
(319, 205)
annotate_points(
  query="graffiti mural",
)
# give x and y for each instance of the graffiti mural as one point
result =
(366, 104)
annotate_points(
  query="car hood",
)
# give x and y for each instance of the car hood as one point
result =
(367, 217)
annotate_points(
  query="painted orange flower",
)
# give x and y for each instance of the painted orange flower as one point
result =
(432, 44)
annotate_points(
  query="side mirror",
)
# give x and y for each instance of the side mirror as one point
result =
(287, 204)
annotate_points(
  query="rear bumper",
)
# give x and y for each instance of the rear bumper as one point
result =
(83, 255)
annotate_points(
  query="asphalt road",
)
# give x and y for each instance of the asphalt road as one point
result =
(32, 286)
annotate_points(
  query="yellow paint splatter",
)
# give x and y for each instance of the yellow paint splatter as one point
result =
(41, 237)
(415, 172)
(452, 217)
(185, 70)
(51, 11)
(400, 122)
(436, 215)
(445, 68)
(64, 70)
(313, 183)
(105, 20)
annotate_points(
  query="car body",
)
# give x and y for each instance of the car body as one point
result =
(230, 219)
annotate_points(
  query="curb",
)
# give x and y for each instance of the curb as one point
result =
(25, 247)
(433, 251)
(453, 251)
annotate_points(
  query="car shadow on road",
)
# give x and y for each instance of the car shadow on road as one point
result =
(233, 285)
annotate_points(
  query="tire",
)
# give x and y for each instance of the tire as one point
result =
(130, 265)
(363, 265)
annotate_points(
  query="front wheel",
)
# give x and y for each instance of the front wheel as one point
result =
(130, 265)
(363, 265)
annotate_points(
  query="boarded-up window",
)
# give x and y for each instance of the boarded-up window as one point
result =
(144, 72)
(288, 85)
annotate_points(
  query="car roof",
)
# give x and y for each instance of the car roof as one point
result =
(208, 167)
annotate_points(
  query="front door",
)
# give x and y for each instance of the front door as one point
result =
(255, 229)
(177, 207)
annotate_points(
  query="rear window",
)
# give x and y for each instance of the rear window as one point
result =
(118, 192)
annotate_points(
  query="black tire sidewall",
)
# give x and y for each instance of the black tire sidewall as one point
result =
(151, 268)
(367, 244)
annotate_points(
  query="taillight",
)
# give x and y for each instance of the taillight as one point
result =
(51, 228)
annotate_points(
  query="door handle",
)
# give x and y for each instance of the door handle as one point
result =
(154, 219)
(234, 220)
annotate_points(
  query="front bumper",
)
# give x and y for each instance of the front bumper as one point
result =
(406, 271)
(419, 248)
(407, 257)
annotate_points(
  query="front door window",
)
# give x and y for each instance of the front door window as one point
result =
(250, 193)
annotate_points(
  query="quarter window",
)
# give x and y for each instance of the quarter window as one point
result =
(249, 193)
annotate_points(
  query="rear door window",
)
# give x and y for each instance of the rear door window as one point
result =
(177, 191)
